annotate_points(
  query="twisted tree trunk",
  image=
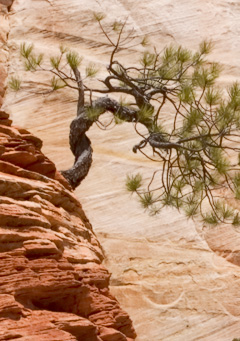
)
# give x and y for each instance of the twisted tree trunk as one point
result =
(81, 145)
(79, 142)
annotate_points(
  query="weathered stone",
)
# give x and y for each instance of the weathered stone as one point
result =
(22, 159)
(6, 122)
(3, 114)
(52, 283)
(40, 248)
(6, 2)
(173, 276)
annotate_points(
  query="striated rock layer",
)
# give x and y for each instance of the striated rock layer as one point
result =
(52, 283)
(178, 280)
(4, 30)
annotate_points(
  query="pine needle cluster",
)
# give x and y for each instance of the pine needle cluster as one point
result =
(197, 147)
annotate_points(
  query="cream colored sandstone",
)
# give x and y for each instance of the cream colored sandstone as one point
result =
(171, 275)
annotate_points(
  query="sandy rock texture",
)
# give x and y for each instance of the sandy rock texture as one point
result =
(177, 279)
(4, 30)
(52, 284)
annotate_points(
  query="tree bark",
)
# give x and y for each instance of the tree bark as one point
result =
(79, 142)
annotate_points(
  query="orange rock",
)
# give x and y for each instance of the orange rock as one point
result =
(52, 283)
(6, 2)
(19, 158)
(110, 334)
(3, 114)
(5, 122)
(43, 167)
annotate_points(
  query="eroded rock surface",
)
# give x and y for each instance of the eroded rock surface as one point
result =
(178, 280)
(52, 284)
(4, 29)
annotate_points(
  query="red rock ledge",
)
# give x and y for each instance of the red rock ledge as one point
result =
(52, 283)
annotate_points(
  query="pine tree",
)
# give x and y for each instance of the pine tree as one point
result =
(194, 151)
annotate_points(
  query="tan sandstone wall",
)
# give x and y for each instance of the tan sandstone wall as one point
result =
(4, 30)
(179, 280)
(53, 285)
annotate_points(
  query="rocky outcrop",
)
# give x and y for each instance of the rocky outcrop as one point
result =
(52, 284)
(177, 279)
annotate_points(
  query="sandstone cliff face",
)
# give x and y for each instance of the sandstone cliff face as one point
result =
(177, 279)
(52, 283)
(4, 29)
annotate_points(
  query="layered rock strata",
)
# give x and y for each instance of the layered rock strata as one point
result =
(52, 283)
(178, 280)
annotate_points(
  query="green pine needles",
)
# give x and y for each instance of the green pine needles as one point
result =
(134, 182)
(73, 59)
(14, 83)
(197, 153)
